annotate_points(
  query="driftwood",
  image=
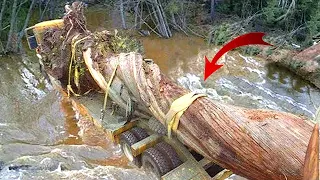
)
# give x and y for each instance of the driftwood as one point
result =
(256, 144)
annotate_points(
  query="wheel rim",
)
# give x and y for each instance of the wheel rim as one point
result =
(127, 151)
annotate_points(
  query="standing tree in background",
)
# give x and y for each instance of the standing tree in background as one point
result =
(26, 22)
(12, 41)
(15, 17)
(1, 20)
(212, 8)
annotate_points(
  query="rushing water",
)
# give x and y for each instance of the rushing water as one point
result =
(44, 135)
(244, 81)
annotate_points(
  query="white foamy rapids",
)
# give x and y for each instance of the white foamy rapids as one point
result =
(241, 92)
(193, 83)
(250, 60)
(98, 172)
(260, 97)
(31, 84)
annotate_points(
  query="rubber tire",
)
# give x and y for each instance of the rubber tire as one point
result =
(160, 165)
(139, 133)
(167, 150)
(157, 127)
(129, 138)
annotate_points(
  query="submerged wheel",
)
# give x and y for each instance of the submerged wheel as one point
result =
(139, 133)
(153, 160)
(169, 152)
(126, 140)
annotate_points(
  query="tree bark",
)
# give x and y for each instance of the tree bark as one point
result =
(305, 64)
(1, 17)
(26, 22)
(2, 12)
(44, 10)
(256, 144)
(12, 42)
(52, 9)
(122, 14)
(163, 24)
(212, 9)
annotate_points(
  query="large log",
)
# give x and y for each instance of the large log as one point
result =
(257, 144)
(307, 64)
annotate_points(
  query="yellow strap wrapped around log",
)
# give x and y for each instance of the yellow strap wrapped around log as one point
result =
(73, 58)
(177, 108)
(107, 91)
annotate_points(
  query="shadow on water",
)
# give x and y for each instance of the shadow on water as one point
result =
(285, 77)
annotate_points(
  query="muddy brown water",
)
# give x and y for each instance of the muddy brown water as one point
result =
(45, 134)
(244, 81)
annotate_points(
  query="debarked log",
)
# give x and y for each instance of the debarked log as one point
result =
(257, 144)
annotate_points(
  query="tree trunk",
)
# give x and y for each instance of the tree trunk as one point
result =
(2, 12)
(44, 10)
(52, 9)
(136, 16)
(122, 14)
(12, 42)
(212, 9)
(256, 144)
(1, 17)
(306, 63)
(163, 24)
(26, 22)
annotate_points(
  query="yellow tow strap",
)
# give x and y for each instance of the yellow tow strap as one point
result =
(73, 58)
(107, 90)
(177, 108)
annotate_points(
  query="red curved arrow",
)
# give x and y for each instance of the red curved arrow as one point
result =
(243, 40)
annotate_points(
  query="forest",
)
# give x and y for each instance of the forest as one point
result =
(287, 22)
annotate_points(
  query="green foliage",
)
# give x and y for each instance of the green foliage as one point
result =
(125, 44)
(173, 7)
(296, 64)
(225, 32)
(251, 50)
(269, 51)
(314, 23)
(301, 16)
(220, 35)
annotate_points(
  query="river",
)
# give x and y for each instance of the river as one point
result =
(45, 135)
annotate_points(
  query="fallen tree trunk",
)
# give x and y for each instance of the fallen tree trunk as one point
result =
(305, 64)
(308, 64)
(256, 144)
